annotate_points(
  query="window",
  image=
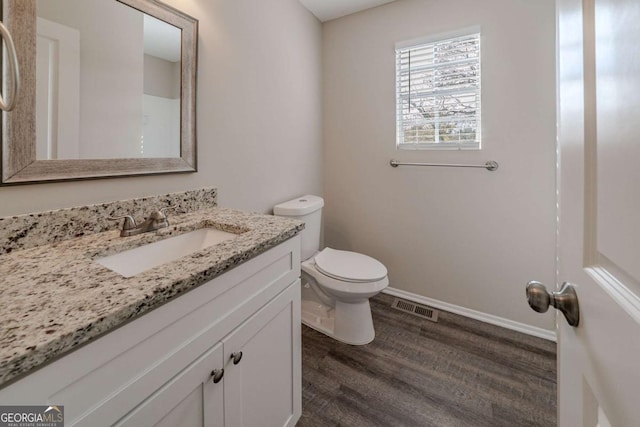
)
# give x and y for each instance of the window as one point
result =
(438, 93)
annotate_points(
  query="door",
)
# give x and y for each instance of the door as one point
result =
(193, 398)
(263, 366)
(599, 211)
(58, 91)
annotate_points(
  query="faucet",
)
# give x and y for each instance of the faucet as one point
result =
(155, 221)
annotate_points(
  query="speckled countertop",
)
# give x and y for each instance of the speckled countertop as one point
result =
(56, 297)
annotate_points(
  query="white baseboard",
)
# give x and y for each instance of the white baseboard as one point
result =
(473, 314)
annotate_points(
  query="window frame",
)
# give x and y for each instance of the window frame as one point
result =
(417, 42)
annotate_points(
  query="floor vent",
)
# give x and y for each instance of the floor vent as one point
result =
(416, 309)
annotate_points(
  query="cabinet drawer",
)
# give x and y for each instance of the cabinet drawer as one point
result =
(104, 380)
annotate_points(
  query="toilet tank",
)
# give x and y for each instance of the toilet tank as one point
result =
(308, 209)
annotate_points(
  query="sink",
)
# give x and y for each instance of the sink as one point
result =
(134, 261)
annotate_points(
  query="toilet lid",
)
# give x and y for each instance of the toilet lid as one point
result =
(349, 266)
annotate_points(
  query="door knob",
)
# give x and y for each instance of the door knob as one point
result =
(565, 300)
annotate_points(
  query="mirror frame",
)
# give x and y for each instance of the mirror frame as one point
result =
(19, 164)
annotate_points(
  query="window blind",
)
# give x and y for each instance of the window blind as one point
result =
(438, 94)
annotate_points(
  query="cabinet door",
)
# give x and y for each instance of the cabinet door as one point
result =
(263, 389)
(190, 399)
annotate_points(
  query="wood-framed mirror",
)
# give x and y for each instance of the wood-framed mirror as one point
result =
(108, 89)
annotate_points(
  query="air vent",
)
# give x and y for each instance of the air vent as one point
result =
(415, 309)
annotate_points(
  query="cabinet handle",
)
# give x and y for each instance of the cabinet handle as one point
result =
(237, 357)
(8, 105)
(217, 375)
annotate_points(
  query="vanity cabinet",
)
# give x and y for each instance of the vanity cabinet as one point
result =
(158, 370)
(257, 384)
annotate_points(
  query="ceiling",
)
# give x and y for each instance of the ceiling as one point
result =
(325, 10)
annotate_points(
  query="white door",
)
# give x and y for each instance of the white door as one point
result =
(192, 398)
(263, 367)
(57, 91)
(599, 211)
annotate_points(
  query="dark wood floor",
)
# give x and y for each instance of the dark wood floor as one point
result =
(457, 372)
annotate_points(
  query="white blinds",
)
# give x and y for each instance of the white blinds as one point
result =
(438, 94)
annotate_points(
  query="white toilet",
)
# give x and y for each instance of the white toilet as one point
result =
(336, 285)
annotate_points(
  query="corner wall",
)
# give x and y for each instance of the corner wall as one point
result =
(259, 114)
(466, 237)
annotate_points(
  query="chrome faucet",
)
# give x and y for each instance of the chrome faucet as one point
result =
(155, 221)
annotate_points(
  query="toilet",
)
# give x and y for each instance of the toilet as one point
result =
(336, 285)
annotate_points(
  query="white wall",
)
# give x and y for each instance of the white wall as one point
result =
(161, 77)
(161, 108)
(259, 114)
(161, 126)
(467, 237)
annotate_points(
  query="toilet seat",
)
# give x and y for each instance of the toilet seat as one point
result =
(344, 288)
(349, 266)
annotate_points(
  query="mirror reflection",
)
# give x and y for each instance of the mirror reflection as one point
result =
(107, 82)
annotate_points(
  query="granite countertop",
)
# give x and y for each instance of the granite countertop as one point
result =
(55, 297)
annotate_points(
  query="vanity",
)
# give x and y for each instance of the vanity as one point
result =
(209, 339)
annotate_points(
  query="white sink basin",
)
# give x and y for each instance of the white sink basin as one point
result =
(133, 261)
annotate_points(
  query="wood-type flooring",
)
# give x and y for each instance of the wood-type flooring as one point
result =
(456, 372)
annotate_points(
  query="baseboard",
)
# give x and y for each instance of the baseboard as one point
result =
(473, 314)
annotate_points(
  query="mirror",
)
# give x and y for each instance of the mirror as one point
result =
(108, 89)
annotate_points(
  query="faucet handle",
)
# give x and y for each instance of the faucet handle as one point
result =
(159, 217)
(129, 222)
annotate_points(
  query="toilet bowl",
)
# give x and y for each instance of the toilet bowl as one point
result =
(336, 284)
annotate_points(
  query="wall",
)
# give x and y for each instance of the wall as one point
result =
(467, 237)
(161, 127)
(161, 77)
(259, 114)
(161, 108)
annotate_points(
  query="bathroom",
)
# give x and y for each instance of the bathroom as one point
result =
(289, 105)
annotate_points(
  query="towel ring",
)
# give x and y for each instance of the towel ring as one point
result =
(14, 72)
